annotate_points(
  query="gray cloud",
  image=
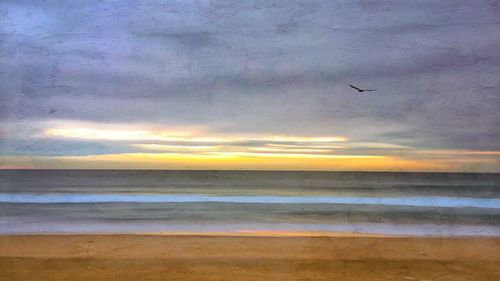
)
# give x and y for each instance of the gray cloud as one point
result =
(260, 66)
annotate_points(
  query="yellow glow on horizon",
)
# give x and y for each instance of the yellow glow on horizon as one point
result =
(251, 161)
(196, 148)
(241, 161)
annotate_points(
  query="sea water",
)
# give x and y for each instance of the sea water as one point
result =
(124, 201)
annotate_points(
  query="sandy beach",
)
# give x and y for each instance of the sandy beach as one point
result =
(246, 257)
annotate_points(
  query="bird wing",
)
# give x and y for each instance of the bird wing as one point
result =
(370, 90)
(355, 87)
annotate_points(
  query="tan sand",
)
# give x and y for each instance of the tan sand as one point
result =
(237, 257)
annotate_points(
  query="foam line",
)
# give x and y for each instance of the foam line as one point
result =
(419, 201)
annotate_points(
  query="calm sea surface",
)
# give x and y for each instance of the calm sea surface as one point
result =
(442, 204)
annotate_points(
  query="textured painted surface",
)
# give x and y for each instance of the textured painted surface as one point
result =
(249, 85)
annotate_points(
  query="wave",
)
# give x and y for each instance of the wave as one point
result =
(420, 201)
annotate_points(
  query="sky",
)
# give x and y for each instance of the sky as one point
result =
(250, 85)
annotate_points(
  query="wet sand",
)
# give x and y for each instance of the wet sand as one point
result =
(246, 257)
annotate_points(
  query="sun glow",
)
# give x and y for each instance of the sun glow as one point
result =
(247, 161)
(118, 133)
(150, 146)
(131, 135)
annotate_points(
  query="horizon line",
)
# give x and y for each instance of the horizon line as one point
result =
(249, 170)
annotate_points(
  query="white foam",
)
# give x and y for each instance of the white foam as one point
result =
(417, 201)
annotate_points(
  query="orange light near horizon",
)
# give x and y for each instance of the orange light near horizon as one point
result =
(250, 161)
(197, 148)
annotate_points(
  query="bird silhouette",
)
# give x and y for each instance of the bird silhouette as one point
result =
(362, 90)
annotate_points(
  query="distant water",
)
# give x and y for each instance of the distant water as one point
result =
(442, 204)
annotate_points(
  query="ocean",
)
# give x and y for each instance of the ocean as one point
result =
(138, 201)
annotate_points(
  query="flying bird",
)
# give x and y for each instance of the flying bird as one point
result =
(361, 90)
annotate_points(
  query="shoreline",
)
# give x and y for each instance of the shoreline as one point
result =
(35, 227)
(242, 233)
(252, 233)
